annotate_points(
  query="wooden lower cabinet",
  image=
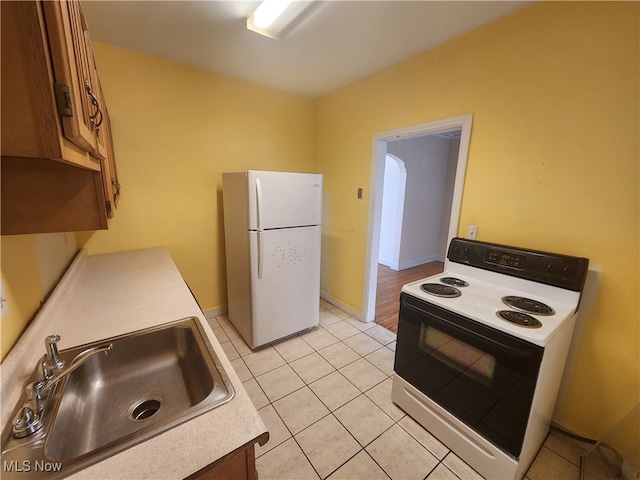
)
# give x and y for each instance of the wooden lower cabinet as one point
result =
(237, 465)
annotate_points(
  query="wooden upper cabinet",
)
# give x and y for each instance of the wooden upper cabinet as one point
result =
(58, 166)
(30, 121)
(76, 84)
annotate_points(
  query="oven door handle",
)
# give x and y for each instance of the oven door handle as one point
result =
(475, 337)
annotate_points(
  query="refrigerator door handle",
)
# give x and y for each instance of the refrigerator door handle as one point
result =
(259, 203)
(260, 253)
(260, 242)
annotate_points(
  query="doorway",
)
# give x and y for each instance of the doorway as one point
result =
(394, 188)
(449, 210)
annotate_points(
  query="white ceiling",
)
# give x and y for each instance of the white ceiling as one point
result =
(339, 43)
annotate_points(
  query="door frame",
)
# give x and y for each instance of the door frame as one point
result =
(379, 151)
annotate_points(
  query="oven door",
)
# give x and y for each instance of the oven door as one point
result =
(484, 377)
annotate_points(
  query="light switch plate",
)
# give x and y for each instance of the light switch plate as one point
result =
(3, 301)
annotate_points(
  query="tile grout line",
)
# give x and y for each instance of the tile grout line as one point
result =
(332, 412)
(221, 324)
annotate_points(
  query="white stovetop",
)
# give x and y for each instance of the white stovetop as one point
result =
(483, 298)
(106, 295)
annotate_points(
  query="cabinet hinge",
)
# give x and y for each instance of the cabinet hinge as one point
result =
(107, 205)
(63, 100)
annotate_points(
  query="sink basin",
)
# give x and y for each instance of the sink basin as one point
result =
(153, 380)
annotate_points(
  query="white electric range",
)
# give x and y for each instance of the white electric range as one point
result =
(481, 350)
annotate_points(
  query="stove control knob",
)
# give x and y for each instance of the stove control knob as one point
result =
(551, 268)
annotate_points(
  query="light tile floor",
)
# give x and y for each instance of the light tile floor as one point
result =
(325, 397)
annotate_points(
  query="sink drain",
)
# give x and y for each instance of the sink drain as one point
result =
(145, 409)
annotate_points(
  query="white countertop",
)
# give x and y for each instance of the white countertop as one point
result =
(106, 295)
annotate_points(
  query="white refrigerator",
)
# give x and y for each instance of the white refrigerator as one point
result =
(272, 224)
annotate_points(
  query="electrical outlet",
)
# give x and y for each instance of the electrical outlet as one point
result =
(472, 232)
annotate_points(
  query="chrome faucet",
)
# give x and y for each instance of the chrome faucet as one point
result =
(51, 362)
(29, 418)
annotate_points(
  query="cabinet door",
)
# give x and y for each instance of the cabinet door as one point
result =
(103, 136)
(102, 132)
(109, 172)
(73, 71)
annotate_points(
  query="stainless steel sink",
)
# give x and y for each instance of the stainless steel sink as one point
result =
(153, 380)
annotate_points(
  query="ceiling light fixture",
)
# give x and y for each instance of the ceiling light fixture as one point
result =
(276, 18)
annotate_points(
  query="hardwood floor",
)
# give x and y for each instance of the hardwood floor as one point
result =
(390, 283)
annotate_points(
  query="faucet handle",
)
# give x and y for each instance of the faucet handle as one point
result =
(29, 417)
(52, 363)
(26, 422)
(35, 395)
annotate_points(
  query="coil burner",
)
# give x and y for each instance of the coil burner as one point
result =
(519, 318)
(528, 305)
(440, 290)
(456, 282)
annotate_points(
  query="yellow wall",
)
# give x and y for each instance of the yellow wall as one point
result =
(554, 93)
(31, 266)
(176, 129)
(553, 165)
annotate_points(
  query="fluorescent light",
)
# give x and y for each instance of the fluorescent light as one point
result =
(276, 18)
(268, 11)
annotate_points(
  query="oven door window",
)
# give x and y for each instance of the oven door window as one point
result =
(458, 355)
(482, 376)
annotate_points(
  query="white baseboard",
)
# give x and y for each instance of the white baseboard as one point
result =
(420, 261)
(333, 301)
(214, 312)
(388, 263)
(413, 263)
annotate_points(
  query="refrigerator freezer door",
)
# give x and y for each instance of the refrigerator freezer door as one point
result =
(286, 290)
(282, 199)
